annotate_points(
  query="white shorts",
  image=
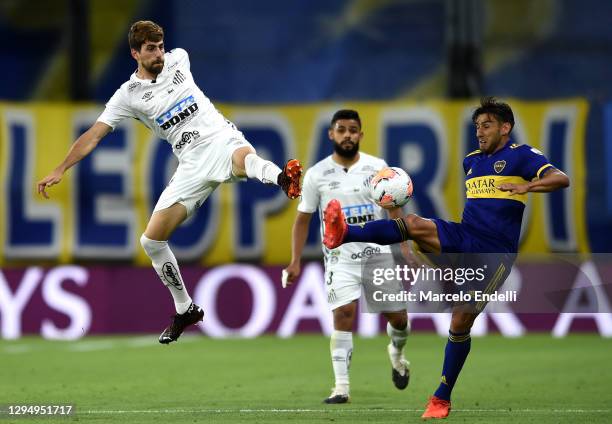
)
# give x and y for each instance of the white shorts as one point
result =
(200, 171)
(344, 283)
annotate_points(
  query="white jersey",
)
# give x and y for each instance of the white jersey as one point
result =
(172, 105)
(328, 180)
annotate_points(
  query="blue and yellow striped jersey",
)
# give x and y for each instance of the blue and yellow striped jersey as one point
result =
(490, 212)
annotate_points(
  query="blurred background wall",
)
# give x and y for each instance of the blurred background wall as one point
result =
(304, 51)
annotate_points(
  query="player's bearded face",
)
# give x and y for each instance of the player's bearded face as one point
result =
(346, 135)
(151, 57)
(489, 132)
(154, 66)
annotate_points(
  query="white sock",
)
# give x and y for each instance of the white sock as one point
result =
(398, 337)
(341, 347)
(166, 266)
(265, 171)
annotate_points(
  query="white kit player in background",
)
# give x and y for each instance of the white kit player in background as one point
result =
(162, 94)
(341, 176)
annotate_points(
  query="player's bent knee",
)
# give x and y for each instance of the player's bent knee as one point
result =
(413, 222)
(402, 323)
(343, 317)
(344, 312)
(151, 246)
(239, 156)
(462, 322)
(399, 321)
(417, 226)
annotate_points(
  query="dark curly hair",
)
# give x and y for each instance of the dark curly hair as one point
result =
(345, 114)
(501, 111)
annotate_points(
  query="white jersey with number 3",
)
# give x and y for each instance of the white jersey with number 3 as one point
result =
(172, 105)
(328, 180)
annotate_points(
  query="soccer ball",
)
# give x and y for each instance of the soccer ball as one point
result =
(391, 187)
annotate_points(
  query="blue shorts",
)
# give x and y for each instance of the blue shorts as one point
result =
(463, 247)
(459, 238)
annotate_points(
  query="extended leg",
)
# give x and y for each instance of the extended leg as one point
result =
(384, 231)
(154, 242)
(398, 329)
(246, 162)
(456, 352)
(341, 349)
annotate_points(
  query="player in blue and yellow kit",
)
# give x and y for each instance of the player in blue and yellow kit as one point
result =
(498, 177)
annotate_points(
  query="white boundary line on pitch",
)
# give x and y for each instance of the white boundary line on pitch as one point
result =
(339, 410)
(93, 345)
(16, 349)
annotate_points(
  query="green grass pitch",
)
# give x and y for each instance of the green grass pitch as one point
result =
(133, 379)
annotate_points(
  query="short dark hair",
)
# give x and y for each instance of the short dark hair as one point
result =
(501, 111)
(143, 31)
(345, 114)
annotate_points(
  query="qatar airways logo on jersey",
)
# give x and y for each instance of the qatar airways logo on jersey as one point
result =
(359, 214)
(480, 185)
(180, 113)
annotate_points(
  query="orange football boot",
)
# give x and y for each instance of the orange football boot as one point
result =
(436, 408)
(289, 179)
(335, 225)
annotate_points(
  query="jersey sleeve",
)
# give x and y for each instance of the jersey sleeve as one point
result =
(310, 195)
(467, 161)
(116, 110)
(466, 165)
(534, 163)
(182, 57)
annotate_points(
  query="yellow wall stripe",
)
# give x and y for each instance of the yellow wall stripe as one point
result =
(54, 123)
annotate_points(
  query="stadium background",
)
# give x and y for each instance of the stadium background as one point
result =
(414, 70)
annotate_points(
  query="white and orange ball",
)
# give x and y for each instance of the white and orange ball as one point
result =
(391, 187)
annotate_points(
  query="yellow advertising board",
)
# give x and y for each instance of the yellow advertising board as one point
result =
(100, 209)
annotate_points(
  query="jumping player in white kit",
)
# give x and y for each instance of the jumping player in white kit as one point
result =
(342, 176)
(162, 95)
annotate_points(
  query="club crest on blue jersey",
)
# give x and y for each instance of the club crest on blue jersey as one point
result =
(499, 166)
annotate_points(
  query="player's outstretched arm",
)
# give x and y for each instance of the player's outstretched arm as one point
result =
(299, 233)
(551, 181)
(79, 149)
